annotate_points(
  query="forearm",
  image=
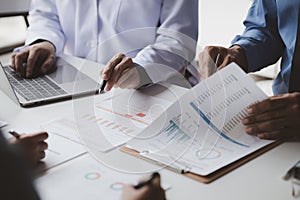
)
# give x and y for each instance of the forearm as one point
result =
(175, 43)
(261, 40)
(44, 24)
(240, 57)
(164, 59)
(257, 54)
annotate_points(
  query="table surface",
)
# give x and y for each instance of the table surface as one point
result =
(260, 178)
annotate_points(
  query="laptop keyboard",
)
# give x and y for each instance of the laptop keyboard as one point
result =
(33, 89)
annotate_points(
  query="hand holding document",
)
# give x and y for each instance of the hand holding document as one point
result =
(203, 131)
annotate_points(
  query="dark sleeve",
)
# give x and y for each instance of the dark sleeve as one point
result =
(261, 39)
(15, 180)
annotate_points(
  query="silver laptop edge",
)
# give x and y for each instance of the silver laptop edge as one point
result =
(6, 87)
(84, 86)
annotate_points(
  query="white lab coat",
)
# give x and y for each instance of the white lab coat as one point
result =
(159, 35)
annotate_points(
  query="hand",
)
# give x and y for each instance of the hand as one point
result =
(35, 60)
(214, 58)
(277, 117)
(152, 191)
(33, 146)
(121, 72)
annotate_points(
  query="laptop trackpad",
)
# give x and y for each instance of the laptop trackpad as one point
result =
(72, 80)
(66, 73)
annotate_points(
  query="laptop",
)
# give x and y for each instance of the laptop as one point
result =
(65, 82)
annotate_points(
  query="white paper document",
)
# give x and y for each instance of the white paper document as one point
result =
(203, 131)
(84, 178)
(61, 150)
(112, 122)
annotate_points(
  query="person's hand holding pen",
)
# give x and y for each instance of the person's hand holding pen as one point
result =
(149, 189)
(120, 72)
(34, 60)
(214, 58)
(32, 145)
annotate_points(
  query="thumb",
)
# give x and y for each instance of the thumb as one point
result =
(156, 181)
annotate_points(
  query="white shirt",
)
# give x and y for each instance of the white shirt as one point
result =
(160, 35)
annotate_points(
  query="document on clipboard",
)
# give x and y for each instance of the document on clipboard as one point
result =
(202, 133)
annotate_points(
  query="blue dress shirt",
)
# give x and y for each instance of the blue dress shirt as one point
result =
(270, 34)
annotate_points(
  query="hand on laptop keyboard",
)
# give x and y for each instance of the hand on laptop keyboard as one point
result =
(34, 60)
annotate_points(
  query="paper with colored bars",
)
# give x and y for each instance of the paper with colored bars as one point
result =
(112, 121)
(203, 131)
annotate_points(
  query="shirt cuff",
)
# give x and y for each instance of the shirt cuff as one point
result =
(145, 80)
(250, 52)
(57, 43)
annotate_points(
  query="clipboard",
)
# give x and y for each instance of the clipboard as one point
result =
(213, 176)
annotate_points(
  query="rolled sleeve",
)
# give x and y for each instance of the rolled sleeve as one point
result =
(175, 44)
(44, 24)
(261, 40)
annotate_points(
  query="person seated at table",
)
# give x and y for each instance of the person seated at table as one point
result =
(158, 38)
(272, 32)
(16, 182)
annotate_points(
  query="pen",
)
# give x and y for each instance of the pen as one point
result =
(15, 134)
(291, 171)
(147, 181)
(101, 91)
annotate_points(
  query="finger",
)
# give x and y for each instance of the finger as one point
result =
(42, 146)
(118, 70)
(20, 59)
(287, 134)
(129, 79)
(269, 104)
(111, 65)
(31, 62)
(273, 135)
(101, 72)
(42, 155)
(206, 67)
(157, 189)
(226, 61)
(116, 73)
(218, 60)
(39, 137)
(220, 57)
(207, 58)
(143, 191)
(212, 51)
(156, 181)
(13, 140)
(48, 65)
(267, 126)
(262, 117)
(215, 57)
(12, 61)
